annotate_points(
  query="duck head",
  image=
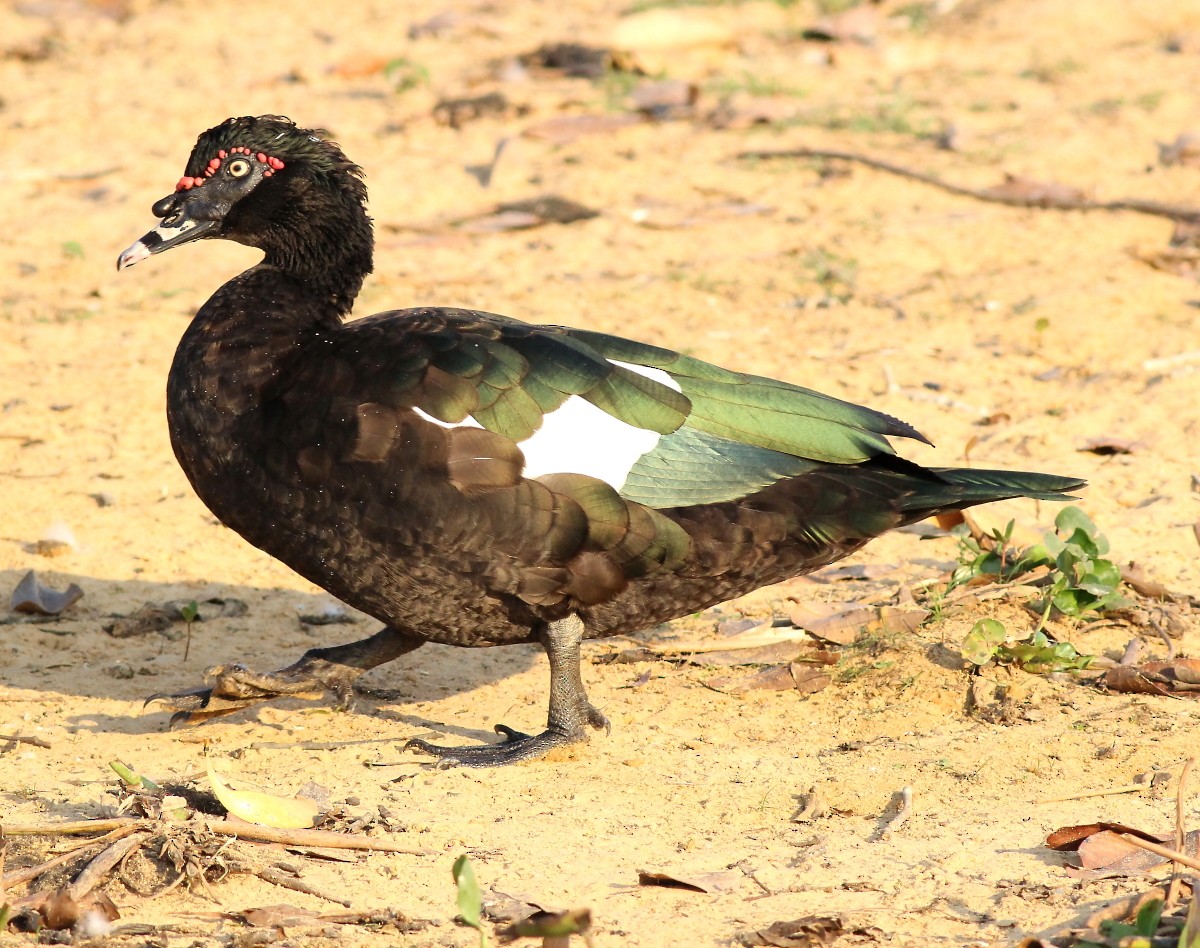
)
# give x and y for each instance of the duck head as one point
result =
(264, 182)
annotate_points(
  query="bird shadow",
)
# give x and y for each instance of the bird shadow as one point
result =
(75, 653)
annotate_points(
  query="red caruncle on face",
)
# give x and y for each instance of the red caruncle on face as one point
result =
(187, 182)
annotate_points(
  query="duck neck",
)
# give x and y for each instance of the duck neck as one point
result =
(330, 264)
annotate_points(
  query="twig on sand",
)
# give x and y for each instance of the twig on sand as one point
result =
(280, 878)
(1107, 792)
(1176, 886)
(21, 876)
(1046, 197)
(264, 834)
(22, 739)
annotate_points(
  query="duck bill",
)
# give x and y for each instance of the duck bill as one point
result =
(164, 237)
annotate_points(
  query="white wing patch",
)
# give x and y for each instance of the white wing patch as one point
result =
(579, 438)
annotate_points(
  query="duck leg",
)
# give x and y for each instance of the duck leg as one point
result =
(570, 710)
(318, 670)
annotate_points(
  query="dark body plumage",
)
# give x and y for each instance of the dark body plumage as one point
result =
(384, 458)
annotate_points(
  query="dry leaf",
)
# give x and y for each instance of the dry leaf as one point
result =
(570, 59)
(839, 627)
(741, 111)
(790, 677)
(1106, 446)
(702, 882)
(808, 932)
(264, 809)
(897, 619)
(1179, 677)
(456, 112)
(1108, 854)
(1136, 578)
(758, 655)
(30, 596)
(1069, 838)
(564, 129)
(666, 99)
(856, 24)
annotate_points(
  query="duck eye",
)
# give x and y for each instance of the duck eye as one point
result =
(239, 167)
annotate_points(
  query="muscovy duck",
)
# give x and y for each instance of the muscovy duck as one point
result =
(469, 479)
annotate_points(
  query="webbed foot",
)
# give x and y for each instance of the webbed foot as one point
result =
(570, 711)
(319, 670)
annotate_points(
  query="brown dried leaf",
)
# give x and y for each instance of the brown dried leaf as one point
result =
(1137, 579)
(724, 881)
(30, 596)
(1185, 671)
(1129, 679)
(531, 212)
(564, 129)
(841, 627)
(456, 112)
(758, 655)
(808, 932)
(895, 619)
(1109, 854)
(773, 678)
(666, 99)
(1069, 838)
(570, 59)
(857, 24)
(1179, 677)
(741, 111)
(793, 676)
(1107, 446)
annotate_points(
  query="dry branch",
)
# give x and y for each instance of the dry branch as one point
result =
(1043, 199)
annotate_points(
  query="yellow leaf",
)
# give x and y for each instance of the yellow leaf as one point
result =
(263, 808)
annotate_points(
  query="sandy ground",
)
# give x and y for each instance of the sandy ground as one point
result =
(937, 308)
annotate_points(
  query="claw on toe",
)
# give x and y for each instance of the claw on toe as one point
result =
(516, 748)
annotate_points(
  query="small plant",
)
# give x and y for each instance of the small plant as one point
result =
(1138, 935)
(403, 74)
(988, 640)
(73, 250)
(1083, 581)
(189, 613)
(1079, 581)
(470, 899)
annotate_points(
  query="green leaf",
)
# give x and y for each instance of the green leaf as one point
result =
(1037, 655)
(189, 611)
(983, 641)
(470, 899)
(1188, 938)
(131, 778)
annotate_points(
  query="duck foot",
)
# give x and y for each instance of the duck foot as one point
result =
(319, 670)
(570, 711)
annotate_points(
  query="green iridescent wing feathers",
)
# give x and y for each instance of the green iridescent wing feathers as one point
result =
(725, 434)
